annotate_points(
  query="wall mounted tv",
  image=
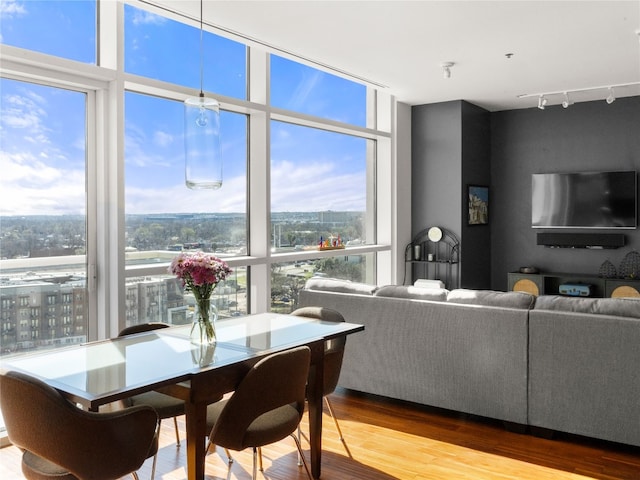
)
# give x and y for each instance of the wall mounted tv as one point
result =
(584, 200)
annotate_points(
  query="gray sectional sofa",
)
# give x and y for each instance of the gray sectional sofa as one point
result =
(557, 363)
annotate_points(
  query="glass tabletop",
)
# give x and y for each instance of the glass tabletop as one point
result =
(160, 357)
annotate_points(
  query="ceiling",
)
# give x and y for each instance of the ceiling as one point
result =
(500, 49)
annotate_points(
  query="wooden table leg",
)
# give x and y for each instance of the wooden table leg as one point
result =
(196, 425)
(314, 397)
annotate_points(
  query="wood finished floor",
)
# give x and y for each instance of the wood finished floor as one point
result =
(392, 440)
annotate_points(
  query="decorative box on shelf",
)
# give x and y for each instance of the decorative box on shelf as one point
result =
(331, 243)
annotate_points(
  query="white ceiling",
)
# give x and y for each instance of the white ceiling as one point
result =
(556, 45)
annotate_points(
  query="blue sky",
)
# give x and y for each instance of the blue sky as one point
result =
(42, 129)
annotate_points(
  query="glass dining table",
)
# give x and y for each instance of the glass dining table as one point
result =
(98, 373)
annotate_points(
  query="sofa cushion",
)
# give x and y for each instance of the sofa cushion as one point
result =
(341, 286)
(425, 283)
(492, 298)
(416, 293)
(620, 307)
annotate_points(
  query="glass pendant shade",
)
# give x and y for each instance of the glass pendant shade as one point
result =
(203, 165)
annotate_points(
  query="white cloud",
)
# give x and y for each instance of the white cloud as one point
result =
(141, 17)
(38, 176)
(33, 187)
(137, 147)
(230, 198)
(11, 8)
(162, 139)
(20, 111)
(315, 186)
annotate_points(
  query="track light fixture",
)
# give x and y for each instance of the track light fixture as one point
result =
(611, 98)
(542, 102)
(446, 69)
(543, 98)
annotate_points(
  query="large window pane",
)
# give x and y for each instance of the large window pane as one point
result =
(42, 217)
(288, 278)
(163, 49)
(55, 27)
(308, 90)
(318, 187)
(163, 215)
(161, 298)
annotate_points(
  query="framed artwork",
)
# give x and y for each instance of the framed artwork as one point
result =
(478, 197)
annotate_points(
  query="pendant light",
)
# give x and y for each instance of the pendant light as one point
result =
(203, 156)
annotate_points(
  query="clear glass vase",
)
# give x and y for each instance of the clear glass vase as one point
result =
(203, 355)
(203, 329)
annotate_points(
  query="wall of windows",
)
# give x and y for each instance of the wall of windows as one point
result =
(307, 155)
(43, 217)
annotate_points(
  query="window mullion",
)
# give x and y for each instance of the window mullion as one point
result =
(259, 184)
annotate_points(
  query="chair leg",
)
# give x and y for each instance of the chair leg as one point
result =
(335, 420)
(175, 424)
(257, 452)
(299, 437)
(304, 461)
(255, 459)
(153, 466)
(226, 450)
(229, 457)
(155, 456)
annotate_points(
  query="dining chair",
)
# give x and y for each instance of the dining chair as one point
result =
(63, 442)
(265, 407)
(333, 355)
(165, 406)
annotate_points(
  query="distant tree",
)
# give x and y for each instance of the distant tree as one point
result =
(187, 234)
(339, 268)
(291, 238)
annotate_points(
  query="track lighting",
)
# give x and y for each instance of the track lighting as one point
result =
(542, 102)
(544, 97)
(611, 98)
(446, 69)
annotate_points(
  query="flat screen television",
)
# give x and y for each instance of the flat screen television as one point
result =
(584, 200)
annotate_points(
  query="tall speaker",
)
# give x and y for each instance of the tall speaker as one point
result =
(581, 240)
(523, 282)
(617, 288)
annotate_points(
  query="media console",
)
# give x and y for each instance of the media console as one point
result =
(573, 284)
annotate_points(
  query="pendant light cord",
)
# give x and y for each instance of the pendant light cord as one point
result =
(201, 54)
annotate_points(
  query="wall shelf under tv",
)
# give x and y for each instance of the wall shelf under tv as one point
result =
(581, 240)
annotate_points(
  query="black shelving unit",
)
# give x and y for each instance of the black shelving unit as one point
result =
(434, 254)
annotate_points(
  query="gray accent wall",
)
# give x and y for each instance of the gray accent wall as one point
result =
(450, 150)
(589, 136)
(476, 158)
(456, 143)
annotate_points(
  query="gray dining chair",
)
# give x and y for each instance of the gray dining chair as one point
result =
(165, 406)
(333, 356)
(63, 442)
(265, 407)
